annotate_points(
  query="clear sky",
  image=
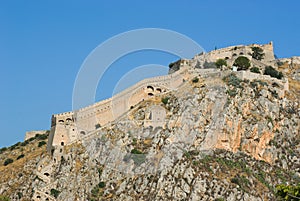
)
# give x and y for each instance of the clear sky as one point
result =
(43, 44)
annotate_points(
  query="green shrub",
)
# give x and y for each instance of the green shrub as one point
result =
(243, 63)
(233, 80)
(41, 136)
(41, 143)
(269, 70)
(15, 146)
(258, 53)
(195, 80)
(23, 144)
(279, 63)
(101, 184)
(54, 192)
(8, 161)
(20, 156)
(97, 126)
(220, 63)
(136, 151)
(231, 92)
(20, 195)
(209, 65)
(255, 70)
(3, 149)
(165, 100)
(288, 192)
(4, 198)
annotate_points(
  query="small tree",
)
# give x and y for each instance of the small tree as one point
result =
(269, 70)
(8, 161)
(243, 63)
(220, 63)
(54, 192)
(195, 80)
(258, 53)
(255, 70)
(41, 143)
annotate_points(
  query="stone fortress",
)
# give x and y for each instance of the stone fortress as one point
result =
(70, 127)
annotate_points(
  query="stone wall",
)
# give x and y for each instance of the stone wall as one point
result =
(31, 134)
(231, 53)
(70, 126)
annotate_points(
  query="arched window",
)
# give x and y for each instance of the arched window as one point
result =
(150, 94)
(62, 143)
(150, 87)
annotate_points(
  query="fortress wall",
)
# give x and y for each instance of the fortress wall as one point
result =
(234, 51)
(136, 91)
(66, 126)
(31, 134)
(252, 76)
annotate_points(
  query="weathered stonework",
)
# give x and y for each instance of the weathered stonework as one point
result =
(30, 134)
(69, 127)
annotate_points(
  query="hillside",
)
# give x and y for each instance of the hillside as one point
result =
(220, 135)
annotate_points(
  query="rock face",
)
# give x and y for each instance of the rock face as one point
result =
(221, 135)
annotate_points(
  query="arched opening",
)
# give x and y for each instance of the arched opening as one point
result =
(46, 174)
(131, 107)
(150, 87)
(83, 133)
(150, 94)
(158, 89)
(62, 143)
(61, 121)
(38, 197)
(68, 120)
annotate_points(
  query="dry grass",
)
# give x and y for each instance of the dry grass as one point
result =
(22, 169)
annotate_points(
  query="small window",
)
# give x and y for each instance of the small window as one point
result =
(150, 87)
(62, 143)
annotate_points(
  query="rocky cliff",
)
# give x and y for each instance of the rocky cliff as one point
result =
(223, 137)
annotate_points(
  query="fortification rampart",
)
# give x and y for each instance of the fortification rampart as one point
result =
(70, 126)
(231, 53)
(30, 134)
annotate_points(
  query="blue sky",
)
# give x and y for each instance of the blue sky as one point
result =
(43, 44)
